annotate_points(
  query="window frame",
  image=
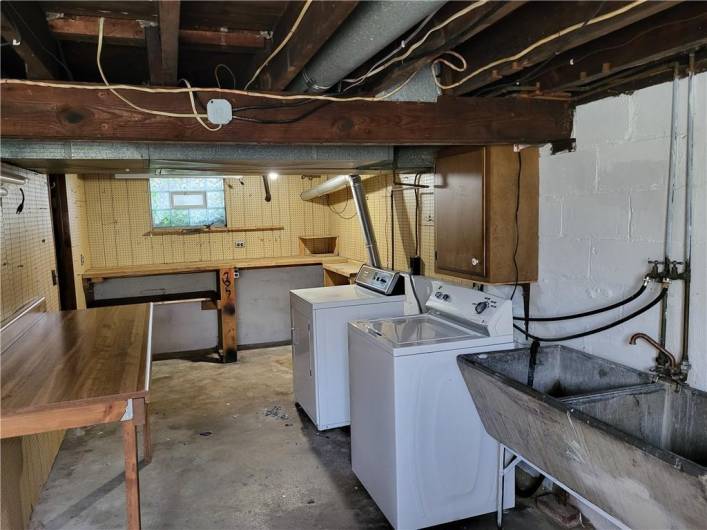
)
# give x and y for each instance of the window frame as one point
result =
(172, 207)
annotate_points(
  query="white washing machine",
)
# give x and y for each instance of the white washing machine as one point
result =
(320, 361)
(417, 443)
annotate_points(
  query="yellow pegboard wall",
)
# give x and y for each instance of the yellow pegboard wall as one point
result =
(118, 215)
(27, 247)
(344, 222)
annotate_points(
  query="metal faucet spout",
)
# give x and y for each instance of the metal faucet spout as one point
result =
(672, 361)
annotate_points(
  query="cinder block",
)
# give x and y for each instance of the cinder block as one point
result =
(648, 210)
(565, 258)
(650, 110)
(603, 121)
(550, 214)
(601, 215)
(641, 165)
(622, 262)
(568, 173)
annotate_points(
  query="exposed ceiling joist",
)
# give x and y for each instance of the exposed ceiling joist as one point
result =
(24, 23)
(533, 24)
(658, 38)
(454, 34)
(169, 39)
(77, 114)
(132, 33)
(319, 23)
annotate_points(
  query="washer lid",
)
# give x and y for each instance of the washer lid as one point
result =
(419, 329)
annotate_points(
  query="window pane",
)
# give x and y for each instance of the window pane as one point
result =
(214, 199)
(182, 199)
(184, 202)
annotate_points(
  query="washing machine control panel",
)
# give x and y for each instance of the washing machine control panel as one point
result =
(379, 280)
(488, 313)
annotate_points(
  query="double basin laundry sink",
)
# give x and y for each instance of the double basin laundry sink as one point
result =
(632, 445)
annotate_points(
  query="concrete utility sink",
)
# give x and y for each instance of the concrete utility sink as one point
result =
(634, 447)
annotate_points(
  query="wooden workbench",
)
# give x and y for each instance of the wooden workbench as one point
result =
(227, 273)
(69, 369)
(343, 273)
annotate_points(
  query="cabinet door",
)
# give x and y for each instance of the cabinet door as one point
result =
(303, 362)
(460, 215)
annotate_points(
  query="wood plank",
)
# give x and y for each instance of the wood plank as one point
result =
(97, 115)
(454, 34)
(60, 418)
(154, 54)
(25, 23)
(318, 25)
(132, 33)
(132, 484)
(657, 38)
(534, 22)
(229, 339)
(218, 229)
(97, 274)
(74, 357)
(169, 39)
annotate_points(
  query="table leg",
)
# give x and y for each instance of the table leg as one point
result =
(147, 436)
(132, 485)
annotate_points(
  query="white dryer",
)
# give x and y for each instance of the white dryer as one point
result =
(320, 361)
(417, 443)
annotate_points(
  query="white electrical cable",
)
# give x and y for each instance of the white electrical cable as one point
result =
(196, 114)
(541, 42)
(282, 44)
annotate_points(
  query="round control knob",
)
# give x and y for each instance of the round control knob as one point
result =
(438, 295)
(445, 297)
(481, 307)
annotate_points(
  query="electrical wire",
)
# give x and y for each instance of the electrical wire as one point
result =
(196, 114)
(284, 42)
(341, 213)
(541, 42)
(225, 67)
(517, 230)
(615, 305)
(628, 317)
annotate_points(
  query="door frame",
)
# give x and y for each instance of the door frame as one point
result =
(59, 206)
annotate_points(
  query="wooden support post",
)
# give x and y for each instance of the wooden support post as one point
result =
(229, 341)
(132, 485)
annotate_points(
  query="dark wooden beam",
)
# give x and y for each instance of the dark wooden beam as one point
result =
(530, 24)
(78, 114)
(169, 39)
(454, 34)
(658, 38)
(132, 33)
(154, 54)
(319, 23)
(25, 22)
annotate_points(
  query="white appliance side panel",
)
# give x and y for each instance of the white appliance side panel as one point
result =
(331, 354)
(303, 369)
(446, 462)
(373, 421)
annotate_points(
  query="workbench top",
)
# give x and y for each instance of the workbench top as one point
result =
(71, 358)
(345, 268)
(205, 266)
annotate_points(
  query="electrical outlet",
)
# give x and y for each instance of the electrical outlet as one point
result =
(240, 244)
(428, 219)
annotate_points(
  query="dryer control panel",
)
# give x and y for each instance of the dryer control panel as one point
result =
(382, 281)
(475, 309)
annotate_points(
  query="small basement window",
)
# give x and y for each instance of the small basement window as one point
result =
(185, 201)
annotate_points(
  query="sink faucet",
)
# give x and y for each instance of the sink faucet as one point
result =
(672, 361)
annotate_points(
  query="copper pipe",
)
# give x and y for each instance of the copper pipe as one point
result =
(671, 358)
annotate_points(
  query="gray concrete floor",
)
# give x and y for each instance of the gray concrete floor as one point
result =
(230, 451)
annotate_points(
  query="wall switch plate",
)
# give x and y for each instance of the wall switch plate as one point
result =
(240, 244)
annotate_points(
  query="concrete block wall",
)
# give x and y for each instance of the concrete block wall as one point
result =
(602, 217)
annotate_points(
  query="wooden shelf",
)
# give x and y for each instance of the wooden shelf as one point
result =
(315, 245)
(219, 229)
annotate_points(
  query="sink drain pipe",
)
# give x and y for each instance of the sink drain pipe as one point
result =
(359, 198)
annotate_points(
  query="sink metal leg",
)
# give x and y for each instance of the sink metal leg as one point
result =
(503, 470)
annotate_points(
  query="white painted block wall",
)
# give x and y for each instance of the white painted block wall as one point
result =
(602, 217)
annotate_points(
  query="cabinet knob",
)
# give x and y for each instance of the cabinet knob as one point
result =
(474, 261)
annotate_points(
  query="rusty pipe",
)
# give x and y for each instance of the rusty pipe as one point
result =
(671, 358)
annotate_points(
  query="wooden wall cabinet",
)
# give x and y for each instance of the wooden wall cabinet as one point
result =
(475, 210)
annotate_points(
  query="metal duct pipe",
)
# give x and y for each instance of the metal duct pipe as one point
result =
(359, 198)
(3, 192)
(10, 174)
(266, 185)
(364, 216)
(370, 28)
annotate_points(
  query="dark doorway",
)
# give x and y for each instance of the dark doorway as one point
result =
(62, 241)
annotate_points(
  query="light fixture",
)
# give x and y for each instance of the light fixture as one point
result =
(273, 175)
